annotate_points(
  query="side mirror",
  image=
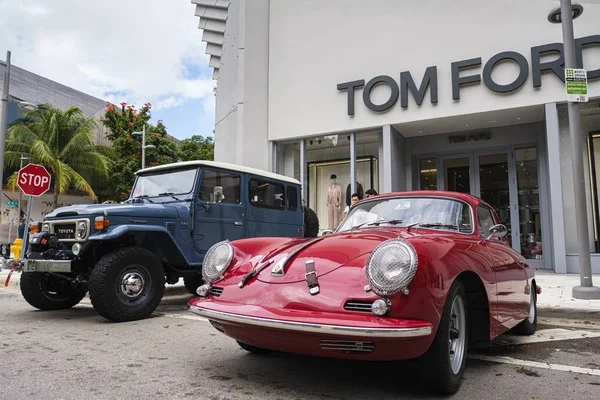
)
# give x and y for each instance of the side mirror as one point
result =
(497, 231)
(327, 232)
(218, 194)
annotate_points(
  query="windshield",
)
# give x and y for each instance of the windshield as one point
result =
(431, 212)
(165, 183)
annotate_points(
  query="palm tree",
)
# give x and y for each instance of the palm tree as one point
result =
(62, 141)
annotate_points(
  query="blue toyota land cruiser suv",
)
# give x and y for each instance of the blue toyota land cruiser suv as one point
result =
(124, 253)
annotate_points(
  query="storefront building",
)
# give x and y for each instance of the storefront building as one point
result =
(401, 95)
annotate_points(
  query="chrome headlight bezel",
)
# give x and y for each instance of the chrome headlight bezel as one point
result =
(45, 227)
(81, 230)
(216, 262)
(382, 259)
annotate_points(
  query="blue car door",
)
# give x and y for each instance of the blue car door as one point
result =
(217, 221)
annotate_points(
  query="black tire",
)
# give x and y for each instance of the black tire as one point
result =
(437, 367)
(192, 283)
(311, 223)
(253, 349)
(49, 292)
(118, 303)
(529, 325)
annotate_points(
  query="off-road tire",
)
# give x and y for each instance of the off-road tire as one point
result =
(436, 368)
(193, 282)
(107, 294)
(527, 327)
(47, 292)
(253, 349)
(311, 223)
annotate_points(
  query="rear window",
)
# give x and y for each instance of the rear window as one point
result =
(266, 194)
(292, 198)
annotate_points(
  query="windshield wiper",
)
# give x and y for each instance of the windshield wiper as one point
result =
(377, 223)
(435, 225)
(145, 197)
(169, 194)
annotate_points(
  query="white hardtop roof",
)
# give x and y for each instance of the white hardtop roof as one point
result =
(221, 165)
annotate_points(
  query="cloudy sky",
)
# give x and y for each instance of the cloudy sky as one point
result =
(136, 51)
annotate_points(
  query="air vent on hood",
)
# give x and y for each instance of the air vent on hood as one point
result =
(358, 305)
(67, 214)
(215, 291)
(347, 346)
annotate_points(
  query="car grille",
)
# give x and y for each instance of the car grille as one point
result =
(215, 291)
(347, 346)
(65, 231)
(358, 305)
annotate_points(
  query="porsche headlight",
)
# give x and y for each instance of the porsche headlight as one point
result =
(391, 267)
(81, 229)
(217, 260)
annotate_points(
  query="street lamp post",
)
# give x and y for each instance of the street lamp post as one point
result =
(144, 146)
(565, 13)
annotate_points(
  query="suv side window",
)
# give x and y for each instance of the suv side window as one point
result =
(266, 194)
(292, 198)
(485, 219)
(229, 182)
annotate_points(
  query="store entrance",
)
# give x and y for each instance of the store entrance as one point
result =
(507, 180)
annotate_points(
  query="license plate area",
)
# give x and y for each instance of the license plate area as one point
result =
(65, 231)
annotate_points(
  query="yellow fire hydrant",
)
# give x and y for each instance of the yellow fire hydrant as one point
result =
(15, 249)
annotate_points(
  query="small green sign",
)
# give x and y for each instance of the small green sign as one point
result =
(12, 203)
(576, 84)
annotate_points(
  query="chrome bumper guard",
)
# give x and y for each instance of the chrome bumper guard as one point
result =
(314, 328)
(46, 265)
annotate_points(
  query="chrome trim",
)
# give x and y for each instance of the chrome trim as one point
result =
(71, 221)
(30, 265)
(314, 328)
(285, 260)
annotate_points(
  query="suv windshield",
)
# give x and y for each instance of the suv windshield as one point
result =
(430, 212)
(165, 183)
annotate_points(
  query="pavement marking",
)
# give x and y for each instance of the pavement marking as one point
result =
(547, 335)
(568, 323)
(535, 364)
(183, 316)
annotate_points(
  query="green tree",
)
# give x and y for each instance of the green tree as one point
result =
(197, 147)
(121, 123)
(63, 142)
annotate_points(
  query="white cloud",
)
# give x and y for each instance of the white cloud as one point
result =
(136, 51)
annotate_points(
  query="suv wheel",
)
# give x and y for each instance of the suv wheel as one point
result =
(311, 223)
(127, 284)
(49, 292)
(192, 282)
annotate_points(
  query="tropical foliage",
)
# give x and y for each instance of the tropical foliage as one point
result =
(63, 142)
(197, 147)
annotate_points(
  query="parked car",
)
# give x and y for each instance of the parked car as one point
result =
(124, 253)
(406, 275)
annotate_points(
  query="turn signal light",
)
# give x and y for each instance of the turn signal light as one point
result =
(101, 223)
(36, 227)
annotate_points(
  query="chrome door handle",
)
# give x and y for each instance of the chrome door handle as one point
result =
(238, 223)
(522, 261)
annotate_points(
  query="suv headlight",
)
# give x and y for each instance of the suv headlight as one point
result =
(391, 267)
(216, 261)
(46, 227)
(81, 230)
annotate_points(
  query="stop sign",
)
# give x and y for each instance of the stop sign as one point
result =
(34, 180)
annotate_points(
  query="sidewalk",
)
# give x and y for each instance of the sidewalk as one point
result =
(556, 289)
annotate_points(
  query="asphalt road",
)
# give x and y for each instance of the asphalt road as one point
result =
(75, 354)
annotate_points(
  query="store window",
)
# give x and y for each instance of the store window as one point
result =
(229, 182)
(266, 194)
(427, 174)
(529, 203)
(594, 155)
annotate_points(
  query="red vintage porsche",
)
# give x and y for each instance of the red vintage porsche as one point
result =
(406, 275)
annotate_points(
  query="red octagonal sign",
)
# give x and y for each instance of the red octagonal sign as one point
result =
(34, 180)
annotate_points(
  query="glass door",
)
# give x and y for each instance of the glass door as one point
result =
(456, 174)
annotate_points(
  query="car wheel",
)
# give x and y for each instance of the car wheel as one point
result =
(253, 349)
(443, 365)
(127, 284)
(311, 223)
(49, 292)
(529, 325)
(192, 283)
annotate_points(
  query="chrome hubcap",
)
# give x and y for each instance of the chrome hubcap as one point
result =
(531, 317)
(132, 284)
(456, 334)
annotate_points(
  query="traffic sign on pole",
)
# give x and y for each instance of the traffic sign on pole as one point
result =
(34, 180)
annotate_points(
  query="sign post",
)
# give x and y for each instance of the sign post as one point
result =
(12, 205)
(34, 181)
(576, 84)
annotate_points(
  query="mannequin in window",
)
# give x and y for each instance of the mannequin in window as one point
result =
(334, 201)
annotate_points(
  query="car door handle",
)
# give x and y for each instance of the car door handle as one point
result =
(238, 223)
(522, 261)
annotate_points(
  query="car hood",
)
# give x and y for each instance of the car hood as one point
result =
(334, 251)
(130, 210)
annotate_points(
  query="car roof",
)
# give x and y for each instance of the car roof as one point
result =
(220, 165)
(472, 200)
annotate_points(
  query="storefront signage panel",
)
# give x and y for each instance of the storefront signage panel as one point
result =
(472, 137)
(430, 81)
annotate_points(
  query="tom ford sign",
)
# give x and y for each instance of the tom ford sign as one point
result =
(461, 76)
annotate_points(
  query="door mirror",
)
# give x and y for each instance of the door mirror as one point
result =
(327, 232)
(218, 194)
(497, 231)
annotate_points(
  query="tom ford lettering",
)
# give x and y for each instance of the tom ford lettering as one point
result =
(465, 73)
